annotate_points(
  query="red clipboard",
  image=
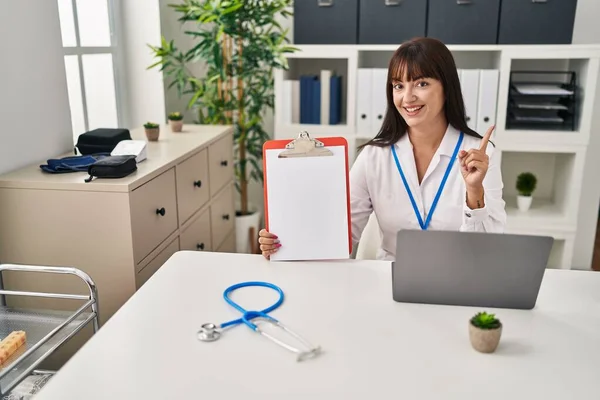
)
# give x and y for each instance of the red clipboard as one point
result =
(306, 147)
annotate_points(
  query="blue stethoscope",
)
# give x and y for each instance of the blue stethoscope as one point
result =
(210, 332)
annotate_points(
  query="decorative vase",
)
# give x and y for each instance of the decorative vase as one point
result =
(484, 340)
(243, 223)
(524, 202)
(176, 126)
(152, 134)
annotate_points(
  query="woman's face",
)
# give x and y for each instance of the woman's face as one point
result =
(420, 101)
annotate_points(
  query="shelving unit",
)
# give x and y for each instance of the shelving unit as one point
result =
(556, 154)
(46, 330)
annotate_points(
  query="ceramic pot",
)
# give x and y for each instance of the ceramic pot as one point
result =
(243, 223)
(484, 340)
(152, 134)
(176, 126)
(524, 202)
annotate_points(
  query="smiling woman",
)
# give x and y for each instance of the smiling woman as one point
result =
(425, 169)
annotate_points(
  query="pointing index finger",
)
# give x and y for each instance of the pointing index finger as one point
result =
(486, 138)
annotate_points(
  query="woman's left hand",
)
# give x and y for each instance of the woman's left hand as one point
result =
(474, 163)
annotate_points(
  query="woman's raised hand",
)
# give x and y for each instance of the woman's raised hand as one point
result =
(269, 243)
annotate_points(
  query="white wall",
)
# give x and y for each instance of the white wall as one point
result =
(587, 30)
(138, 24)
(34, 105)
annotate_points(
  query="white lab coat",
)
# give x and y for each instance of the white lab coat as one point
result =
(376, 186)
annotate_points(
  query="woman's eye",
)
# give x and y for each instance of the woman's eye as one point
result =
(397, 86)
(422, 84)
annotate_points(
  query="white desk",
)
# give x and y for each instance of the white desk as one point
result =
(374, 347)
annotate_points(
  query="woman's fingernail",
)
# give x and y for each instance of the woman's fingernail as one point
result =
(276, 241)
(278, 245)
(275, 236)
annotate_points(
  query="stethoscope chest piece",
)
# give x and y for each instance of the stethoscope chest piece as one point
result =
(208, 333)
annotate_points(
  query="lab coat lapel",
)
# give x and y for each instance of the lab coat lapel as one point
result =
(446, 148)
(406, 158)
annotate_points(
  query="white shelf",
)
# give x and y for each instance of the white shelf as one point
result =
(287, 131)
(543, 216)
(551, 140)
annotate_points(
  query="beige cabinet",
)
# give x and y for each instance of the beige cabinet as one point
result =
(120, 231)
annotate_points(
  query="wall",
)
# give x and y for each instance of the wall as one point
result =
(587, 30)
(141, 90)
(34, 105)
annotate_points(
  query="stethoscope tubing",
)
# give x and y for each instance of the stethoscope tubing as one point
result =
(247, 316)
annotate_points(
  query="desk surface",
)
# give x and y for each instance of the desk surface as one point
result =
(373, 346)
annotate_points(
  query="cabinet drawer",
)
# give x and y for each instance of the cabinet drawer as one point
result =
(153, 213)
(157, 262)
(391, 21)
(536, 21)
(197, 235)
(326, 21)
(220, 158)
(222, 216)
(228, 246)
(192, 185)
(464, 21)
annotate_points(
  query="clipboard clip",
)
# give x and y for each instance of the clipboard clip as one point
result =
(304, 146)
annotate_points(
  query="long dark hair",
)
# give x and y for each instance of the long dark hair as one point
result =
(422, 58)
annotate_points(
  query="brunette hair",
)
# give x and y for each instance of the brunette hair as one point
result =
(422, 58)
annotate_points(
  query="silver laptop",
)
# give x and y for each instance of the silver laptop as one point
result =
(469, 268)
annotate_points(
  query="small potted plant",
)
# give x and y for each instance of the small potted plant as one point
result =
(152, 131)
(526, 183)
(484, 332)
(176, 121)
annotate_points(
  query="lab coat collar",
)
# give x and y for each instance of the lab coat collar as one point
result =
(446, 147)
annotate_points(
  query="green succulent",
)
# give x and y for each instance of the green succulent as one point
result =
(175, 116)
(483, 320)
(526, 183)
(150, 125)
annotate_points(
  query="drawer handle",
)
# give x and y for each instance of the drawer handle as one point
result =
(539, 1)
(198, 183)
(200, 246)
(325, 3)
(464, 2)
(392, 3)
(160, 211)
(224, 163)
(226, 217)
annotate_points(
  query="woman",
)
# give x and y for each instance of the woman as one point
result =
(425, 169)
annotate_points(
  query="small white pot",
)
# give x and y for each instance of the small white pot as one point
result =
(243, 224)
(524, 202)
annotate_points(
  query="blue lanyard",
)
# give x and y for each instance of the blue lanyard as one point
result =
(425, 225)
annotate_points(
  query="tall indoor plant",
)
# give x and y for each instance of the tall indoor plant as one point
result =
(241, 43)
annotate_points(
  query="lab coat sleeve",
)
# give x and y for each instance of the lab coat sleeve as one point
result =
(492, 217)
(360, 199)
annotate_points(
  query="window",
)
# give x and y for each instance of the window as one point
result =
(90, 57)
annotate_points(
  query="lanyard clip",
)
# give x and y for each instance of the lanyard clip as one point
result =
(309, 351)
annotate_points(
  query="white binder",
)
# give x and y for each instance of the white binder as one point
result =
(363, 101)
(379, 99)
(488, 95)
(470, 88)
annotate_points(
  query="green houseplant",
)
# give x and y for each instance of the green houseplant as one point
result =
(152, 130)
(484, 332)
(175, 121)
(242, 43)
(526, 184)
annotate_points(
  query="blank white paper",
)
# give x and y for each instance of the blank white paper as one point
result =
(307, 205)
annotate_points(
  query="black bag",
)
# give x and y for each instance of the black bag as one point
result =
(112, 167)
(101, 140)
